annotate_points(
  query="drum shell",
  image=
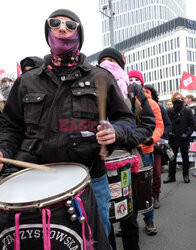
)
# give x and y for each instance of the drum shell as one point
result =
(31, 236)
(144, 189)
(121, 204)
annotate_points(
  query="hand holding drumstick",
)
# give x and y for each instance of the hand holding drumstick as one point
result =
(23, 164)
(106, 134)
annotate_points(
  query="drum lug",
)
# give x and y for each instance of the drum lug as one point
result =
(68, 203)
(82, 219)
(70, 210)
(147, 204)
(73, 217)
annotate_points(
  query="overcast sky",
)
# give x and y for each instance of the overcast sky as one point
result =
(22, 27)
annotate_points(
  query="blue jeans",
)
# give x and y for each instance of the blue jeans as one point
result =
(102, 194)
(148, 160)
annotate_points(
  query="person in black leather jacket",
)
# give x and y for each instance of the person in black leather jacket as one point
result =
(52, 114)
(182, 127)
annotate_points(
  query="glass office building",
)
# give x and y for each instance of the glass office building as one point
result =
(162, 54)
(132, 17)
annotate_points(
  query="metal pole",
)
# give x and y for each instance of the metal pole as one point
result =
(111, 21)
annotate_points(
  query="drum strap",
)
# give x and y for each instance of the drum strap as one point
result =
(46, 228)
(17, 233)
(88, 244)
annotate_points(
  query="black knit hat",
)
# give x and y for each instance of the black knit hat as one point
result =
(70, 14)
(113, 53)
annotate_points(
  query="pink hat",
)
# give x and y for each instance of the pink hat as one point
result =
(138, 74)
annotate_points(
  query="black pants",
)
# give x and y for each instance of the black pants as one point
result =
(129, 226)
(185, 161)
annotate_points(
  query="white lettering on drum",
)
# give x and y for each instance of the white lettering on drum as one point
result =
(30, 233)
(60, 234)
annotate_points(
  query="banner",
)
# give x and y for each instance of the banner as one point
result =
(188, 82)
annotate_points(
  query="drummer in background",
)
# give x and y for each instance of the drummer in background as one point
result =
(112, 60)
(147, 146)
(147, 150)
(52, 116)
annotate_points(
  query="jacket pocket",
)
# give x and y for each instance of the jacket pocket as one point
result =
(84, 103)
(83, 149)
(33, 106)
(27, 150)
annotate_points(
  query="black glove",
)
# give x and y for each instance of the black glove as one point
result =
(171, 135)
(149, 142)
(184, 136)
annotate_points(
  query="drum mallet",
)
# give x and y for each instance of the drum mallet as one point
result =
(24, 164)
(101, 86)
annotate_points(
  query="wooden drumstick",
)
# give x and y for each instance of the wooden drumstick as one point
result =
(101, 86)
(26, 164)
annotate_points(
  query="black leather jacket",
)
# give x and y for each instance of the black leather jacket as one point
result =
(145, 118)
(44, 116)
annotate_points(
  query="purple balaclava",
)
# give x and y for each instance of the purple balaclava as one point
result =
(64, 46)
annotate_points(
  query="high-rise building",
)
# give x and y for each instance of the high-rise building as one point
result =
(132, 17)
(162, 54)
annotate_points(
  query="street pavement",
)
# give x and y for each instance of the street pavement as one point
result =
(175, 219)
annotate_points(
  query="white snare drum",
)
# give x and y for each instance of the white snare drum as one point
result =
(50, 210)
(31, 189)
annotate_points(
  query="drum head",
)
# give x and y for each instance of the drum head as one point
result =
(35, 188)
(118, 155)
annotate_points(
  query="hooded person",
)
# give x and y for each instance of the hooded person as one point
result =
(6, 83)
(30, 62)
(112, 60)
(65, 51)
(52, 116)
(158, 147)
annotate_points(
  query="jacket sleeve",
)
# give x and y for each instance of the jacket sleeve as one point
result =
(191, 122)
(119, 114)
(145, 118)
(12, 128)
(159, 129)
(166, 121)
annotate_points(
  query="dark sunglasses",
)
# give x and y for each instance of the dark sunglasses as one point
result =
(55, 23)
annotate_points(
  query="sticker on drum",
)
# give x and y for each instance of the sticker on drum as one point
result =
(119, 177)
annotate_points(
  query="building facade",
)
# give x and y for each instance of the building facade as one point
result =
(162, 54)
(132, 17)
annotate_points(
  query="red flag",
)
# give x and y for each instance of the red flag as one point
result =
(188, 81)
(2, 71)
(123, 55)
(19, 71)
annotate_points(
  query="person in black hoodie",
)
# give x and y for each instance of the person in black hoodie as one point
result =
(156, 186)
(182, 127)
